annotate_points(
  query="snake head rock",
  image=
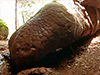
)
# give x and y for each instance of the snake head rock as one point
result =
(52, 27)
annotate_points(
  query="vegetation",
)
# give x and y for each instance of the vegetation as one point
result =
(3, 30)
(25, 7)
(3, 25)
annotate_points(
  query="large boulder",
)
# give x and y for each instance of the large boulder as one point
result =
(53, 27)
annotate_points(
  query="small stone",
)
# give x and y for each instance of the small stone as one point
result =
(86, 66)
(49, 69)
(42, 70)
(76, 64)
(33, 49)
(68, 66)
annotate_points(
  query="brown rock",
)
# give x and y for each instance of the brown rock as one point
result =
(51, 28)
(39, 71)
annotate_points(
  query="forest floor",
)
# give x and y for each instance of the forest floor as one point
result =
(85, 60)
(79, 58)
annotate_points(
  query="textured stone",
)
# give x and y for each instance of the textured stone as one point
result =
(39, 71)
(51, 28)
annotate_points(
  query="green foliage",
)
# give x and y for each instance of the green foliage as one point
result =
(54, 0)
(2, 22)
(42, 2)
(32, 2)
(3, 25)
(26, 9)
(1, 36)
(26, 6)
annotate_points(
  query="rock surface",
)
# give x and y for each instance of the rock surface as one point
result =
(38, 71)
(89, 3)
(51, 28)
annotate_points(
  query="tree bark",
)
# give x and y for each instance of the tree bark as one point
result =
(15, 14)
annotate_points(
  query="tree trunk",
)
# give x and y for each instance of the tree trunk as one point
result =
(23, 17)
(15, 14)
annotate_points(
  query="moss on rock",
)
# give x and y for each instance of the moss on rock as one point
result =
(3, 30)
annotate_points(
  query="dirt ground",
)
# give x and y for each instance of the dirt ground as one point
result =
(85, 62)
(79, 58)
